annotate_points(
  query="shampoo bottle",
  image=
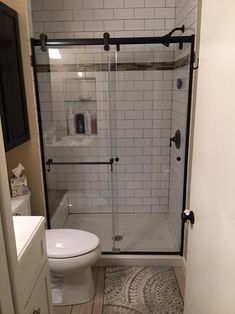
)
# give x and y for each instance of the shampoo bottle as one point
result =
(71, 123)
(88, 123)
(93, 123)
(80, 123)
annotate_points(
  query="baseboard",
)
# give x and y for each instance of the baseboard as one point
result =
(184, 266)
(139, 260)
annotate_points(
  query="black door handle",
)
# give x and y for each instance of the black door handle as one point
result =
(188, 216)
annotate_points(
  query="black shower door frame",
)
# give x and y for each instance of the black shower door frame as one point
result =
(106, 41)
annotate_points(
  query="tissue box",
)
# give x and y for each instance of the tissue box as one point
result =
(19, 186)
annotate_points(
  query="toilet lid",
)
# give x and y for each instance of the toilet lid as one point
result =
(65, 243)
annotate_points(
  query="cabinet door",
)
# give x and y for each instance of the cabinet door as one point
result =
(5, 118)
(12, 91)
(6, 301)
(40, 299)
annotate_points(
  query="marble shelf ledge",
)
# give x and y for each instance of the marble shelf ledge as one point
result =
(74, 141)
(80, 101)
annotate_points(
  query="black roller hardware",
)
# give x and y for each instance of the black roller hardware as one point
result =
(106, 41)
(43, 38)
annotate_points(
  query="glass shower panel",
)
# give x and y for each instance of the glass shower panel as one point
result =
(148, 177)
(112, 79)
(75, 113)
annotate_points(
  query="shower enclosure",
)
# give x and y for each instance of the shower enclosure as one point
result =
(114, 119)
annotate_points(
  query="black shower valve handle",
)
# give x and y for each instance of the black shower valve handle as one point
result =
(176, 139)
(173, 139)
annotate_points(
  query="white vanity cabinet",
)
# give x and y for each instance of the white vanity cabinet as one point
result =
(40, 300)
(33, 264)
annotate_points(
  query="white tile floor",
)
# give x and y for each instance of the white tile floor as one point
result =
(140, 232)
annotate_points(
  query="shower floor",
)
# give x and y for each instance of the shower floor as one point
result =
(140, 232)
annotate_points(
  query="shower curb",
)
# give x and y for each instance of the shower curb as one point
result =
(139, 260)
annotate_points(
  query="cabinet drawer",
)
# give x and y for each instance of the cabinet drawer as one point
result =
(40, 299)
(32, 262)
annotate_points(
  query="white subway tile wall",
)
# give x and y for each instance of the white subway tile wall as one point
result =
(142, 118)
(142, 173)
(85, 16)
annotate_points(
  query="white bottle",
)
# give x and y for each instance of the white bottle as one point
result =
(71, 123)
(88, 123)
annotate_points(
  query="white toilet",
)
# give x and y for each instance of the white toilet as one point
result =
(71, 253)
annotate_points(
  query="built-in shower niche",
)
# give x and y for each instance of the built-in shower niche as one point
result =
(80, 103)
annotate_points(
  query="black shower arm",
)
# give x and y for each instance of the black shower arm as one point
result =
(182, 29)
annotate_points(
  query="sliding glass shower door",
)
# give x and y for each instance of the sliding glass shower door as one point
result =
(149, 131)
(74, 85)
(114, 131)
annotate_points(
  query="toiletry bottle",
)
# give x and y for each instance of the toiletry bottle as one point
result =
(80, 123)
(93, 123)
(88, 123)
(71, 123)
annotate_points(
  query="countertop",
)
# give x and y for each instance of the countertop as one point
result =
(25, 228)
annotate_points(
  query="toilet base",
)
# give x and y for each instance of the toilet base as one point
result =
(75, 289)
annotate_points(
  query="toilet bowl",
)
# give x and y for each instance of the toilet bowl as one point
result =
(71, 253)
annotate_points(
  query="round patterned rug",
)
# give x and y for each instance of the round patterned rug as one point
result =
(141, 290)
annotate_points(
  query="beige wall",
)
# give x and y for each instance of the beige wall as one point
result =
(28, 153)
(210, 280)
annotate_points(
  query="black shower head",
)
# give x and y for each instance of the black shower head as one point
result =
(182, 29)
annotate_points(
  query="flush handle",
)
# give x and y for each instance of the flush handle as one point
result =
(176, 139)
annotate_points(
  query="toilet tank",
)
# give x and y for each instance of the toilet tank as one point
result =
(20, 205)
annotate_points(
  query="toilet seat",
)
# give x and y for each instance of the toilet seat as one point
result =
(69, 243)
